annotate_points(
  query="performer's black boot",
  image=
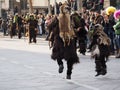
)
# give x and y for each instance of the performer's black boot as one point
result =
(68, 77)
(98, 73)
(61, 67)
(103, 72)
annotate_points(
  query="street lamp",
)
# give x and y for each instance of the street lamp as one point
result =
(1, 1)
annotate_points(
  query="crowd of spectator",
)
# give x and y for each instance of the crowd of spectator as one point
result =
(92, 12)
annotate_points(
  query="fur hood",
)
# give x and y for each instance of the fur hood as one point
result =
(102, 36)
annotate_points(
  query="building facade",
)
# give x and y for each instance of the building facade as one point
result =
(22, 6)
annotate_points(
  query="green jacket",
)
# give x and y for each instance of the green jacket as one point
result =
(117, 27)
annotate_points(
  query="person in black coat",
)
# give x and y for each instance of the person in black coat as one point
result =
(32, 29)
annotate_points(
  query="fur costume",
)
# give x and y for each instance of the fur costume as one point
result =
(103, 38)
(61, 51)
(66, 31)
(110, 9)
(100, 49)
(78, 23)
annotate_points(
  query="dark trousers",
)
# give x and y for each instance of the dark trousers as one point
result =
(100, 63)
(32, 35)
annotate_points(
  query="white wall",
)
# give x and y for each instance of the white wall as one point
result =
(45, 2)
(40, 2)
(52, 1)
(35, 3)
(5, 5)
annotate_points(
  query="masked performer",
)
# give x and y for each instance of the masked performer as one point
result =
(100, 49)
(63, 41)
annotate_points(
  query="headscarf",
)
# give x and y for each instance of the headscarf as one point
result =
(116, 14)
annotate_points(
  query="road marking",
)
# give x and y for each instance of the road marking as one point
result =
(48, 73)
(26, 66)
(29, 67)
(15, 62)
(83, 85)
(74, 82)
(2, 58)
(51, 74)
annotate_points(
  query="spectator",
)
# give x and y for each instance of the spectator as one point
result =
(4, 27)
(110, 11)
(117, 32)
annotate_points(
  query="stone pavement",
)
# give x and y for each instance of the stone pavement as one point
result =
(26, 66)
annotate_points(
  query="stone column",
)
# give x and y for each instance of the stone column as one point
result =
(55, 8)
(0, 8)
(30, 6)
(106, 3)
(49, 8)
(79, 5)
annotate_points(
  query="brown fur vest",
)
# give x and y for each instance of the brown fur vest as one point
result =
(66, 31)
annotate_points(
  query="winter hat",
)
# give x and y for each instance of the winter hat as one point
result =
(110, 9)
(116, 14)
